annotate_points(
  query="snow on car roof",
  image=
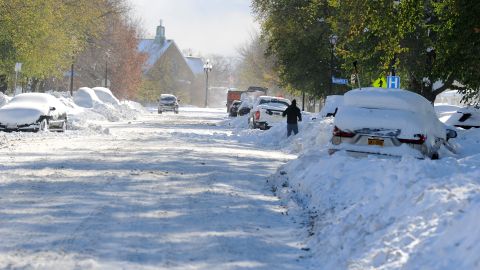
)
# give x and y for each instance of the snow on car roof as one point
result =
(382, 98)
(86, 97)
(391, 109)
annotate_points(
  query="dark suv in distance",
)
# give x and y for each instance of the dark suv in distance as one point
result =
(234, 108)
(167, 102)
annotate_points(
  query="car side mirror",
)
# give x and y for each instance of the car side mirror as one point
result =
(178, 100)
(451, 134)
(52, 108)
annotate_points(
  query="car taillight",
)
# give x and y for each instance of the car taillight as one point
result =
(421, 139)
(340, 133)
(257, 115)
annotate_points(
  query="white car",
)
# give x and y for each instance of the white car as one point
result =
(388, 122)
(33, 112)
(266, 111)
(467, 117)
(105, 95)
(86, 97)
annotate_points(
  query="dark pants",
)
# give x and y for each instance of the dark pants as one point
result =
(290, 128)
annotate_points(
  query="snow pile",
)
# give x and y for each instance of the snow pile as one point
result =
(85, 97)
(106, 96)
(4, 99)
(313, 131)
(378, 213)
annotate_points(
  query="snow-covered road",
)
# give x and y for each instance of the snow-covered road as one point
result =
(162, 192)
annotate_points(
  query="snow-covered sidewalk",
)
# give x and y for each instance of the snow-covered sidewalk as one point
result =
(162, 192)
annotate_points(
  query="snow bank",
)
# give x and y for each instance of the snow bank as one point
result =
(377, 213)
(80, 116)
(105, 95)
(4, 99)
(85, 97)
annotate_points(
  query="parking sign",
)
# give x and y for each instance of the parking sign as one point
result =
(393, 82)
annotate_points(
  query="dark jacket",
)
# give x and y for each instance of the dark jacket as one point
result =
(292, 113)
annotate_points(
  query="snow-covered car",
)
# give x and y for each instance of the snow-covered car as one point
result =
(105, 95)
(266, 111)
(33, 112)
(331, 105)
(167, 102)
(244, 108)
(467, 117)
(234, 108)
(388, 122)
(86, 97)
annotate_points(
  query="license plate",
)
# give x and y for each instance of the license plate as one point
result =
(378, 142)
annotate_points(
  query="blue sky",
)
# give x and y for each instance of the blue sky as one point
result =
(204, 26)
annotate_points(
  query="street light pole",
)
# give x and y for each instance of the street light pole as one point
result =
(71, 76)
(107, 54)
(207, 67)
(333, 41)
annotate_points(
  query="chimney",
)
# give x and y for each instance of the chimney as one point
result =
(160, 36)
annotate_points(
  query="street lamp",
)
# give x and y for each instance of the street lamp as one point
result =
(207, 67)
(107, 54)
(333, 40)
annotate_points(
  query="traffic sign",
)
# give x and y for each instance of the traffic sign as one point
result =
(339, 81)
(380, 82)
(393, 82)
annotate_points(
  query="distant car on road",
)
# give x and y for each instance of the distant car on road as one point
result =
(266, 111)
(466, 117)
(388, 122)
(168, 102)
(234, 108)
(33, 112)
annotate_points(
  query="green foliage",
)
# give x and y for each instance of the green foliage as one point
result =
(425, 41)
(297, 35)
(45, 34)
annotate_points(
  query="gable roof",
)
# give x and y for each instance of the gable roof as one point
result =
(195, 64)
(153, 50)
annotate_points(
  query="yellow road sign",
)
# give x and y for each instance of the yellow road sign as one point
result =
(380, 82)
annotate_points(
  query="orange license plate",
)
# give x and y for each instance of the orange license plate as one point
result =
(378, 142)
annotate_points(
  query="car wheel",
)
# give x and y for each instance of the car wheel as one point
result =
(64, 126)
(159, 112)
(43, 125)
(435, 156)
(176, 111)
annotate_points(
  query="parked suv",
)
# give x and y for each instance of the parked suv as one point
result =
(167, 102)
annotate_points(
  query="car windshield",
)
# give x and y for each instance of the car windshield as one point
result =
(168, 98)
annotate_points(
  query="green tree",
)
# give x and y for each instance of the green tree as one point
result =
(432, 45)
(428, 43)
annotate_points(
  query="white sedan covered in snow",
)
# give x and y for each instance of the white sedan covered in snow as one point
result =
(388, 122)
(33, 112)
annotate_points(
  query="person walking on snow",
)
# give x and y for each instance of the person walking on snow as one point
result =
(292, 113)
